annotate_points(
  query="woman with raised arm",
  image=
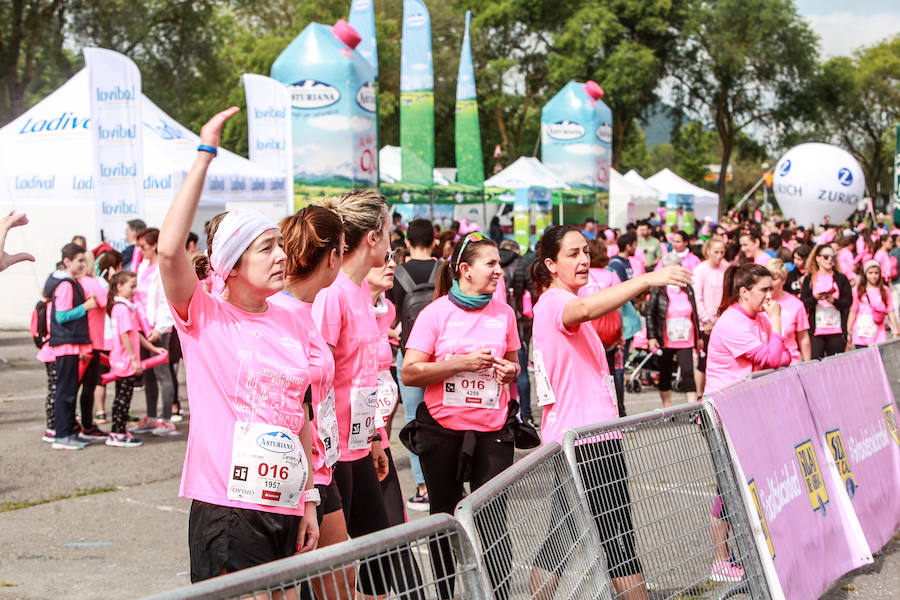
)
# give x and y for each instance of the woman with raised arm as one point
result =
(248, 464)
(574, 385)
(827, 296)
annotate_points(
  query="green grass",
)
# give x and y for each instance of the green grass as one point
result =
(8, 506)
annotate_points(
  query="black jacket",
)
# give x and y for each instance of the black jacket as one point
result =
(655, 311)
(73, 332)
(842, 302)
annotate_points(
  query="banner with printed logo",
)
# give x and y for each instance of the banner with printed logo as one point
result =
(852, 404)
(116, 135)
(795, 492)
(269, 127)
(416, 96)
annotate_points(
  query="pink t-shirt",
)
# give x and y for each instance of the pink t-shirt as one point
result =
(321, 369)
(574, 364)
(145, 273)
(384, 320)
(96, 316)
(689, 261)
(242, 368)
(793, 320)
(885, 261)
(871, 315)
(734, 335)
(123, 320)
(443, 330)
(762, 259)
(637, 264)
(708, 282)
(846, 262)
(344, 314)
(500, 292)
(828, 319)
(65, 301)
(679, 328)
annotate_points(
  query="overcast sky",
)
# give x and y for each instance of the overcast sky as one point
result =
(844, 26)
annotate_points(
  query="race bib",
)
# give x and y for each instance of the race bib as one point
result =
(678, 329)
(611, 388)
(473, 389)
(327, 429)
(363, 404)
(387, 398)
(268, 465)
(542, 381)
(865, 326)
(827, 317)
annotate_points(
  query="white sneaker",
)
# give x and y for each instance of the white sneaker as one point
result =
(123, 440)
(145, 425)
(68, 443)
(165, 428)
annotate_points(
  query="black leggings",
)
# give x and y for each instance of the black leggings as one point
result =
(122, 403)
(685, 357)
(51, 394)
(826, 345)
(440, 466)
(88, 383)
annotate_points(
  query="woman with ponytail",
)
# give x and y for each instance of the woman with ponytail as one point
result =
(463, 351)
(247, 364)
(573, 381)
(742, 341)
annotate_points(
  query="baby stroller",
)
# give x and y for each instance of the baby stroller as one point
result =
(642, 368)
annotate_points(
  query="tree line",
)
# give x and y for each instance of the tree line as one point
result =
(742, 79)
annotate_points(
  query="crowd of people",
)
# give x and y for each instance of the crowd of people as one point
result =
(299, 340)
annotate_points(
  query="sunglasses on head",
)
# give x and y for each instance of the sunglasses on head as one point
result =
(475, 236)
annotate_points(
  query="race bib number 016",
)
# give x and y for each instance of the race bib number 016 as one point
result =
(268, 465)
(472, 389)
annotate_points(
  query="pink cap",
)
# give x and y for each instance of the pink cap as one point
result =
(593, 90)
(343, 31)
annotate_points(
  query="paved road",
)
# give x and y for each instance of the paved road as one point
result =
(107, 522)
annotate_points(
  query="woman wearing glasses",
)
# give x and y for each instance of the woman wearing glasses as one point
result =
(827, 296)
(462, 350)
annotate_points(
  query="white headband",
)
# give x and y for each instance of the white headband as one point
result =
(234, 235)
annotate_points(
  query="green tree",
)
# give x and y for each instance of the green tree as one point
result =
(634, 151)
(743, 64)
(31, 48)
(693, 145)
(627, 47)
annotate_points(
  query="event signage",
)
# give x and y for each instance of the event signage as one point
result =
(858, 436)
(897, 180)
(469, 161)
(806, 521)
(680, 213)
(814, 180)
(269, 128)
(333, 130)
(576, 137)
(362, 19)
(416, 96)
(116, 135)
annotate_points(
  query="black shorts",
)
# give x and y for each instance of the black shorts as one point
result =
(331, 500)
(222, 537)
(104, 368)
(701, 359)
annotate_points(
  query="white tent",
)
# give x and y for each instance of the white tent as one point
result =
(525, 172)
(629, 201)
(390, 166)
(706, 203)
(47, 170)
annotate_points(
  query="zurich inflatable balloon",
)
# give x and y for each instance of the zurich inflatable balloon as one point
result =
(814, 180)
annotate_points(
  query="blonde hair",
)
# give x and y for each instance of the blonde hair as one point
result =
(361, 211)
(777, 268)
(707, 247)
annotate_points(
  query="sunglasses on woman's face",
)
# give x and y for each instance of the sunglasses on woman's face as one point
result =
(827, 256)
(389, 255)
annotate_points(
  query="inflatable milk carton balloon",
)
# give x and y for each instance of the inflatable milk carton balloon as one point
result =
(332, 107)
(814, 180)
(576, 137)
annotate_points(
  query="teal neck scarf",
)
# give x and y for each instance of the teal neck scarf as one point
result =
(466, 302)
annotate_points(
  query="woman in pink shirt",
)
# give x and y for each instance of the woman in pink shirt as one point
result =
(827, 296)
(872, 306)
(742, 340)
(794, 320)
(673, 329)
(845, 258)
(751, 246)
(247, 467)
(680, 247)
(344, 314)
(573, 381)
(708, 278)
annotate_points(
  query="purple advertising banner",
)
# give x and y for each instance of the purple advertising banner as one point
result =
(854, 408)
(811, 532)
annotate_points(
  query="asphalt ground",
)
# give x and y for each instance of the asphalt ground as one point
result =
(108, 523)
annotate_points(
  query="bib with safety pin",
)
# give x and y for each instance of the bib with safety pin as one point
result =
(387, 398)
(478, 389)
(865, 326)
(268, 465)
(543, 390)
(327, 428)
(678, 329)
(363, 404)
(827, 317)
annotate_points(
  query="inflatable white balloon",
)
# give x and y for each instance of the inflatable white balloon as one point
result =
(814, 180)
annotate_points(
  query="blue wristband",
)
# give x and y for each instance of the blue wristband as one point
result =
(205, 148)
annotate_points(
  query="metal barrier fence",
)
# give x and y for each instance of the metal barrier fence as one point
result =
(535, 537)
(396, 562)
(662, 492)
(890, 358)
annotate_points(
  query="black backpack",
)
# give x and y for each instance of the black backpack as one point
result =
(40, 332)
(417, 296)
